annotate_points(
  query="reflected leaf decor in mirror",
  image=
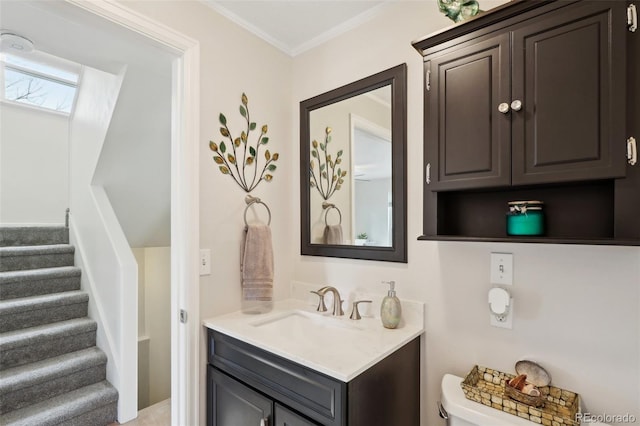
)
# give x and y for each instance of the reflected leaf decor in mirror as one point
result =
(240, 155)
(327, 180)
(360, 165)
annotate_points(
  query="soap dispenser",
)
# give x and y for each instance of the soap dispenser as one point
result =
(390, 309)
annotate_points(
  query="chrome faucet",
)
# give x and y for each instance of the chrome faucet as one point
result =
(337, 302)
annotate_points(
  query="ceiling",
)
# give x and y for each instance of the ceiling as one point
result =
(69, 32)
(295, 26)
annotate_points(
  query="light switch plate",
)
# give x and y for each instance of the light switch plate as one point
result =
(205, 262)
(502, 268)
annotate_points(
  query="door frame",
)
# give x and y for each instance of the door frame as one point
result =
(185, 224)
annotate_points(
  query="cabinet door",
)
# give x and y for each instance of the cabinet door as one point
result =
(286, 417)
(234, 404)
(569, 74)
(309, 392)
(467, 139)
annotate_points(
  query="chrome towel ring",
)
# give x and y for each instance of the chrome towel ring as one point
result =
(255, 200)
(328, 206)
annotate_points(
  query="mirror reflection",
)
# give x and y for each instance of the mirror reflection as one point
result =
(353, 194)
(350, 171)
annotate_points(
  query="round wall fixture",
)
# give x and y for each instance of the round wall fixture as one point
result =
(14, 42)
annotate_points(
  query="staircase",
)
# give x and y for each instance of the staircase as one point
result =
(51, 372)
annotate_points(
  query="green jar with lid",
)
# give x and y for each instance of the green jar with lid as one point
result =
(525, 218)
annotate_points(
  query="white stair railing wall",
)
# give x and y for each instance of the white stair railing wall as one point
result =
(110, 271)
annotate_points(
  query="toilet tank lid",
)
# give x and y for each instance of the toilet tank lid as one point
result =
(457, 405)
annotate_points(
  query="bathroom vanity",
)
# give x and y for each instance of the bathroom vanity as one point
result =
(297, 367)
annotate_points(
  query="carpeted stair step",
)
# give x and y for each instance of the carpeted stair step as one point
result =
(32, 311)
(35, 257)
(33, 235)
(34, 282)
(33, 344)
(28, 384)
(94, 405)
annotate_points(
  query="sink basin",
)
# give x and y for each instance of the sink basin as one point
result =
(301, 323)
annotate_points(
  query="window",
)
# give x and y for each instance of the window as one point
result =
(39, 80)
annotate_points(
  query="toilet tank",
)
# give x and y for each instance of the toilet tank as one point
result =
(464, 412)
(461, 411)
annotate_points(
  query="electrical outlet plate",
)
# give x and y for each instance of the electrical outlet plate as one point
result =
(502, 268)
(508, 319)
(205, 262)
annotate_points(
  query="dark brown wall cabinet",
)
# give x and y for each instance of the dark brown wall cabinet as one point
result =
(531, 101)
(249, 386)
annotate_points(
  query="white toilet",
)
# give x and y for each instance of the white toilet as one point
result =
(460, 411)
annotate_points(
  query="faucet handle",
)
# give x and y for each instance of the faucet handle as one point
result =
(321, 306)
(355, 314)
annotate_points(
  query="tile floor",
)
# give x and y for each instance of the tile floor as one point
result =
(156, 415)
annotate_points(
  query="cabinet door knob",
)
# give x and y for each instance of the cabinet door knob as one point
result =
(516, 105)
(503, 107)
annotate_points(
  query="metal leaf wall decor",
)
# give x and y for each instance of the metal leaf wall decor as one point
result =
(328, 178)
(240, 157)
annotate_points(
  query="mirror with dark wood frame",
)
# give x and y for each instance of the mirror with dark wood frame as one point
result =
(353, 180)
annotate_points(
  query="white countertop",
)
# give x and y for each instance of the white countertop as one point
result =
(336, 346)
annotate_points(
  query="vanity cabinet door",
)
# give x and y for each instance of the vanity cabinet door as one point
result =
(232, 403)
(468, 140)
(569, 75)
(286, 417)
(308, 392)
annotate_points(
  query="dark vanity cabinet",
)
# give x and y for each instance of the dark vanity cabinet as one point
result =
(530, 101)
(235, 403)
(286, 417)
(249, 386)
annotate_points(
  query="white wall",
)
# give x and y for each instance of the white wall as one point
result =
(154, 297)
(234, 61)
(576, 307)
(143, 339)
(158, 321)
(34, 165)
(372, 216)
(109, 268)
(134, 165)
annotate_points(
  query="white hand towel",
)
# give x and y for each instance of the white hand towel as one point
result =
(256, 263)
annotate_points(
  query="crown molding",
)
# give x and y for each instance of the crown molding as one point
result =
(308, 45)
